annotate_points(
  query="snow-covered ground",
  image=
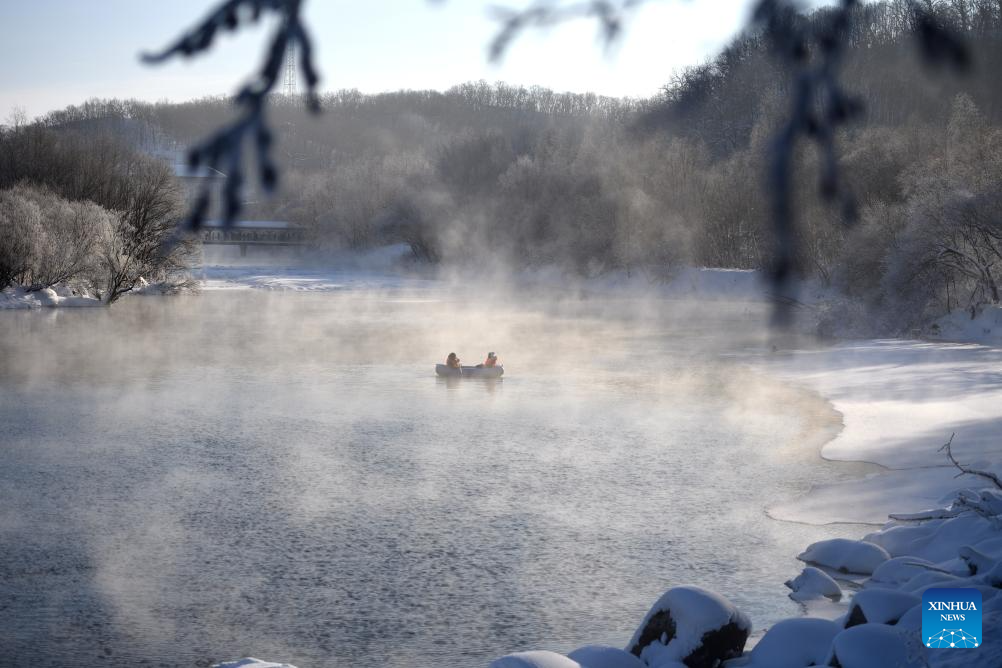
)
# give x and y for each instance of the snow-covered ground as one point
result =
(900, 402)
(19, 298)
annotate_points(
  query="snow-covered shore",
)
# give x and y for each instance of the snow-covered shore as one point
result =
(900, 401)
(19, 298)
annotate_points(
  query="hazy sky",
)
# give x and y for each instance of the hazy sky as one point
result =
(61, 52)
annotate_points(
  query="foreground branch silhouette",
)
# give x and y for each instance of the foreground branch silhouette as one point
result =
(224, 149)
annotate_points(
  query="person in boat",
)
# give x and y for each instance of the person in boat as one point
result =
(491, 361)
(452, 361)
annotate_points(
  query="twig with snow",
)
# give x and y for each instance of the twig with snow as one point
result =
(948, 447)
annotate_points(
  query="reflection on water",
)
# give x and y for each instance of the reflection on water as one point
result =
(204, 478)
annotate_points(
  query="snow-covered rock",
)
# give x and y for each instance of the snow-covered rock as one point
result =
(535, 659)
(898, 570)
(794, 643)
(877, 646)
(693, 626)
(601, 656)
(251, 662)
(813, 583)
(845, 555)
(880, 606)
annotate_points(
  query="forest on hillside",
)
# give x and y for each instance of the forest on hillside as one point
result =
(520, 177)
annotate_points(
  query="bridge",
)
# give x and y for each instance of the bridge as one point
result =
(246, 233)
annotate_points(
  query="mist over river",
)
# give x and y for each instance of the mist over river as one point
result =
(247, 473)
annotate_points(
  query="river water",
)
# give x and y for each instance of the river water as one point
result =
(241, 473)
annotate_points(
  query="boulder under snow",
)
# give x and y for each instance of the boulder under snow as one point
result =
(845, 555)
(794, 643)
(880, 606)
(877, 646)
(813, 583)
(693, 626)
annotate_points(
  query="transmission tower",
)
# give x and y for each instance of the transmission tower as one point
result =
(290, 70)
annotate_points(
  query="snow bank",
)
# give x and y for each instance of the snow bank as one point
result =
(58, 295)
(900, 401)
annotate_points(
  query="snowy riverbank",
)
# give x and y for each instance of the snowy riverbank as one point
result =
(19, 298)
(900, 401)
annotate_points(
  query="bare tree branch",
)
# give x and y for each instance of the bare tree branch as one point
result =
(988, 475)
(224, 149)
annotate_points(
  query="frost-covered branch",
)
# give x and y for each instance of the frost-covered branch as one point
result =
(965, 470)
(545, 13)
(224, 149)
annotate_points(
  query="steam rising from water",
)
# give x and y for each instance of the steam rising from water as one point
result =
(281, 475)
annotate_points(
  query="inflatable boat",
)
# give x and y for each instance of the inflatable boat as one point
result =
(469, 371)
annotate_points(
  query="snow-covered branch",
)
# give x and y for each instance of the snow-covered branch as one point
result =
(965, 470)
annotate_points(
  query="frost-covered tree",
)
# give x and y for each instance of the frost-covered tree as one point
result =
(20, 236)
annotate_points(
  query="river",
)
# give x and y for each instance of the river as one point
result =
(192, 479)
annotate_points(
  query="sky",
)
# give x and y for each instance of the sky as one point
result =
(62, 52)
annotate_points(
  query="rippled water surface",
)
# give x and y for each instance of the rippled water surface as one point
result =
(193, 479)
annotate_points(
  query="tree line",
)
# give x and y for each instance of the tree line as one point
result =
(525, 176)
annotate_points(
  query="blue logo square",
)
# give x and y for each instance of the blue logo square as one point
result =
(951, 618)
